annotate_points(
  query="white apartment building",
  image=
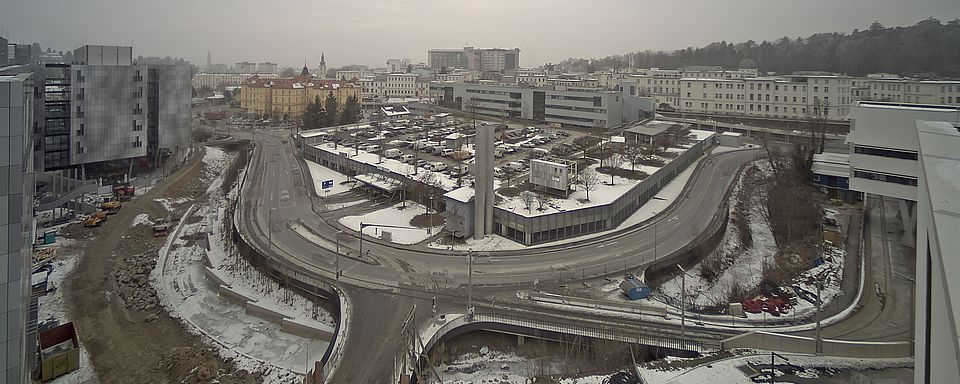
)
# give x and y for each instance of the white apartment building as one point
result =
(944, 92)
(792, 97)
(394, 85)
(397, 65)
(220, 80)
(457, 76)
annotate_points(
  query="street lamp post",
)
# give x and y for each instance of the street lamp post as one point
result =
(339, 232)
(470, 284)
(270, 228)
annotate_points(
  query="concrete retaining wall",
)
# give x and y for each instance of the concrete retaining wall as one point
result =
(234, 296)
(305, 330)
(211, 275)
(254, 309)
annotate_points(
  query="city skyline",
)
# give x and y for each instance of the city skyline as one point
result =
(358, 36)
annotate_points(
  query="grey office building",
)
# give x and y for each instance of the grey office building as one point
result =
(3, 52)
(18, 320)
(104, 111)
(475, 59)
(573, 108)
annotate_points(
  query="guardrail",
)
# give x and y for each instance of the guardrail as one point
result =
(807, 345)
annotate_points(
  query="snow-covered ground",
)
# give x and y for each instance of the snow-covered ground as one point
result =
(254, 343)
(395, 215)
(746, 270)
(169, 204)
(141, 219)
(320, 173)
(51, 307)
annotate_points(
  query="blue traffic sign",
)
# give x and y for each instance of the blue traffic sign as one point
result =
(326, 184)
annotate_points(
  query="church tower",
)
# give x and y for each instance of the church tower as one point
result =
(323, 67)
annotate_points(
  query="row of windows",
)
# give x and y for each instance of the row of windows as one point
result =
(885, 178)
(885, 153)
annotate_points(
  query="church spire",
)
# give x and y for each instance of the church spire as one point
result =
(305, 71)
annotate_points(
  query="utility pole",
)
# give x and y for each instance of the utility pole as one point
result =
(470, 285)
(683, 305)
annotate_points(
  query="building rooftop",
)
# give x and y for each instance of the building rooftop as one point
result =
(462, 194)
(655, 127)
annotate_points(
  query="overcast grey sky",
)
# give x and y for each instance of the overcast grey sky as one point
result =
(371, 31)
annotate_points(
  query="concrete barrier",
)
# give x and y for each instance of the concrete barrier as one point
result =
(234, 296)
(303, 329)
(211, 274)
(257, 310)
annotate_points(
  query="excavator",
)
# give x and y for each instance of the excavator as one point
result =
(111, 207)
(95, 220)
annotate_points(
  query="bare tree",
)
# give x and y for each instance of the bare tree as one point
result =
(527, 197)
(588, 180)
(615, 161)
(633, 152)
(542, 201)
(583, 143)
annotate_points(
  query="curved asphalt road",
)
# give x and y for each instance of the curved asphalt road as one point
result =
(275, 174)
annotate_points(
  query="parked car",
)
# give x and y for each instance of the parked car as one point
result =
(422, 163)
(407, 159)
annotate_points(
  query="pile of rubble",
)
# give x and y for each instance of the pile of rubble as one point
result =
(133, 282)
(192, 365)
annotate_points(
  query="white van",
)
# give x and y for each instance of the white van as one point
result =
(392, 153)
(438, 167)
(407, 159)
(370, 147)
(446, 152)
(516, 166)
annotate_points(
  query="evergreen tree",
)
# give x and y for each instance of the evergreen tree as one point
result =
(313, 116)
(351, 111)
(331, 117)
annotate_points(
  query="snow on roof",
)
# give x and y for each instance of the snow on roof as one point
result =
(701, 135)
(462, 194)
(314, 133)
(734, 134)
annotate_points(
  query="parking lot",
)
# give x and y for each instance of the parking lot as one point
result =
(447, 145)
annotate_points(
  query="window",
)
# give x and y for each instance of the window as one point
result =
(885, 153)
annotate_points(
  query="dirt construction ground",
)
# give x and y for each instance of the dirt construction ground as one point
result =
(129, 337)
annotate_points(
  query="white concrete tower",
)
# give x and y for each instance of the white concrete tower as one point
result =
(483, 198)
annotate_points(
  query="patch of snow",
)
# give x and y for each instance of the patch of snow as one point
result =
(491, 242)
(348, 204)
(320, 173)
(52, 307)
(395, 215)
(141, 219)
(255, 344)
(169, 204)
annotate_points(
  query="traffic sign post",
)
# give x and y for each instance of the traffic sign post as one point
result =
(326, 184)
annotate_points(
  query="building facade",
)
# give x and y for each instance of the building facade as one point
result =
(18, 321)
(935, 330)
(475, 59)
(883, 146)
(287, 98)
(220, 80)
(587, 109)
(104, 108)
(267, 67)
(245, 67)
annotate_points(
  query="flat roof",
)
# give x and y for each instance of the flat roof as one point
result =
(654, 127)
(462, 194)
(728, 133)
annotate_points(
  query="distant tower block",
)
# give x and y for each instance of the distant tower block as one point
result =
(483, 198)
